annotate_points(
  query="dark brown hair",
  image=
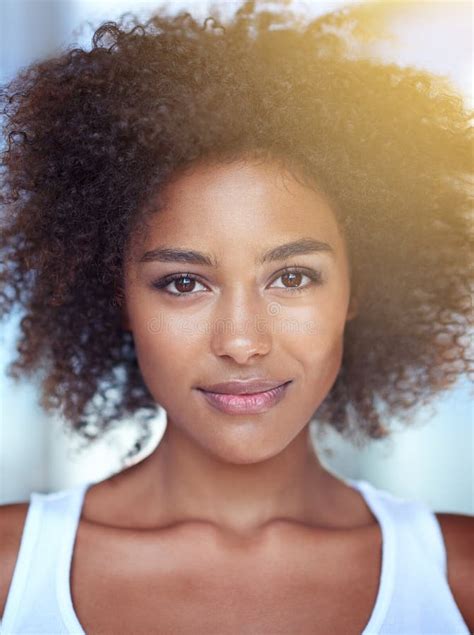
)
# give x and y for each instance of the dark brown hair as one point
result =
(92, 135)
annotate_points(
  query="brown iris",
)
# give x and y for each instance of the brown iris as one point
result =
(295, 280)
(184, 286)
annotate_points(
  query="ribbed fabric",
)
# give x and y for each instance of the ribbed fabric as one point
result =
(413, 598)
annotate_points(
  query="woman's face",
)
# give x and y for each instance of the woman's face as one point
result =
(233, 312)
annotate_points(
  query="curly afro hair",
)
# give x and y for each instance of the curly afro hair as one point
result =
(93, 135)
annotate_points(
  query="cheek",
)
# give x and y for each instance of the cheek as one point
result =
(321, 354)
(318, 344)
(316, 328)
(164, 348)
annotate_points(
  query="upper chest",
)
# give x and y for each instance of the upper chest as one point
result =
(189, 579)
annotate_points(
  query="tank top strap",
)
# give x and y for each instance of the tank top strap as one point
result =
(39, 593)
(414, 565)
(389, 555)
(413, 520)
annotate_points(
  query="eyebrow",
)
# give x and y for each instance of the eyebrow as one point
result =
(300, 247)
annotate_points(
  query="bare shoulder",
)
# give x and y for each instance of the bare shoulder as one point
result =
(458, 533)
(12, 521)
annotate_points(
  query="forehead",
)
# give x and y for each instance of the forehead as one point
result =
(250, 203)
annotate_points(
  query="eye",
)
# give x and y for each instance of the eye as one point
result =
(184, 282)
(294, 276)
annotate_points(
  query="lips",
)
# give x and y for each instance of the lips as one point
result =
(246, 403)
(244, 386)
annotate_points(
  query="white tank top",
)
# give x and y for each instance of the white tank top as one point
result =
(413, 595)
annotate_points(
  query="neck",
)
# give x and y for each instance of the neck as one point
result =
(190, 484)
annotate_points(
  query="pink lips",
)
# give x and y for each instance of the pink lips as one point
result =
(253, 403)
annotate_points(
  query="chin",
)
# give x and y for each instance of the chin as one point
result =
(247, 451)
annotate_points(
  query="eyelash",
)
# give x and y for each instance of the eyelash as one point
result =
(314, 275)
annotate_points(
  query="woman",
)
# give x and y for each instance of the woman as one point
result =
(252, 229)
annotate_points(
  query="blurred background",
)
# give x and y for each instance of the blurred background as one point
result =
(432, 461)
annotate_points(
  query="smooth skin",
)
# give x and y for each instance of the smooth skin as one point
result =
(232, 525)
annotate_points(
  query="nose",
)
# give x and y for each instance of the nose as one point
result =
(240, 329)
